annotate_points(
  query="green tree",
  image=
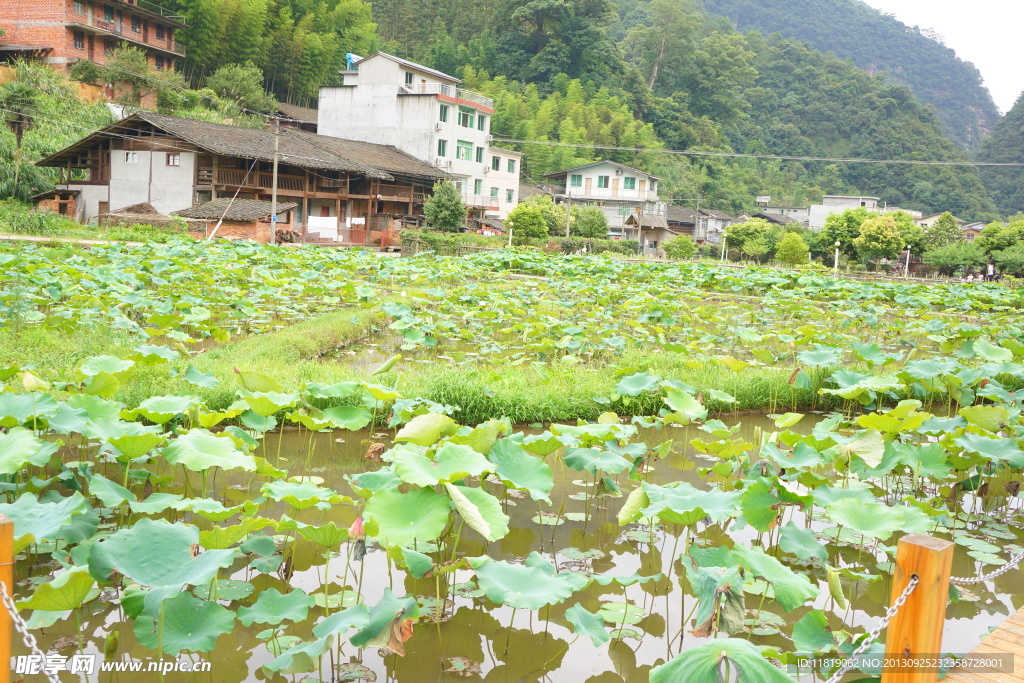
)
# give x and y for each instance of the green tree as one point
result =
(739, 234)
(589, 221)
(793, 250)
(680, 247)
(997, 236)
(844, 228)
(756, 248)
(948, 257)
(944, 231)
(880, 237)
(444, 209)
(1011, 260)
(527, 220)
(243, 84)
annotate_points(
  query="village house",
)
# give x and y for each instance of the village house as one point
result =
(423, 112)
(831, 204)
(797, 214)
(618, 190)
(970, 231)
(930, 221)
(704, 227)
(63, 32)
(248, 219)
(340, 188)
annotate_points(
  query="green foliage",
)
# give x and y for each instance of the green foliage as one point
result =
(949, 257)
(134, 78)
(588, 221)
(1010, 260)
(996, 236)
(444, 209)
(880, 237)
(793, 250)
(844, 228)
(945, 231)
(243, 84)
(680, 247)
(1006, 144)
(527, 220)
(753, 234)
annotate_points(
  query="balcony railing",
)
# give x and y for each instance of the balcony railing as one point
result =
(480, 201)
(128, 33)
(608, 193)
(444, 89)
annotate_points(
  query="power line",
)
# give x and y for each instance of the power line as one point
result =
(775, 157)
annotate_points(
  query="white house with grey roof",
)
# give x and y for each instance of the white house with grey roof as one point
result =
(424, 112)
(619, 190)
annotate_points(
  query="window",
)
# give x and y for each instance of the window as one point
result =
(136, 24)
(80, 6)
(969, 236)
(408, 78)
(466, 117)
(108, 46)
(508, 196)
(481, 122)
(442, 148)
(160, 32)
(173, 159)
(478, 187)
(79, 40)
(443, 116)
(131, 157)
(576, 180)
(602, 181)
(511, 165)
(108, 13)
(495, 163)
(479, 155)
(464, 150)
(629, 183)
(494, 193)
(159, 63)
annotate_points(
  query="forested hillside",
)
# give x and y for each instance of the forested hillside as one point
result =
(878, 42)
(1006, 144)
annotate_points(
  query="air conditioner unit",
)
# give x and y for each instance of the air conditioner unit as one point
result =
(441, 162)
(490, 138)
(439, 126)
(487, 169)
(618, 171)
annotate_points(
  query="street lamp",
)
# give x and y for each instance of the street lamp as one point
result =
(509, 224)
(835, 266)
(724, 236)
(906, 267)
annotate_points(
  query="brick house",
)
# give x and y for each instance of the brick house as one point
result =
(63, 32)
(344, 189)
(246, 219)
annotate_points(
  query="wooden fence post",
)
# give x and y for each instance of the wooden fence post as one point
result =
(7, 577)
(916, 630)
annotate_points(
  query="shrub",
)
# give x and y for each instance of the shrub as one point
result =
(527, 220)
(444, 209)
(589, 221)
(793, 250)
(680, 247)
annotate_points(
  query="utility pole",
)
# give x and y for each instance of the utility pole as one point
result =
(273, 192)
(568, 212)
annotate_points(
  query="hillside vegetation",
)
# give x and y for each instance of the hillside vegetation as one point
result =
(877, 42)
(1006, 144)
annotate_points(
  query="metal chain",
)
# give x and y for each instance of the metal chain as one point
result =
(965, 581)
(26, 634)
(876, 631)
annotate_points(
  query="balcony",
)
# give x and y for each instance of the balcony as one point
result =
(126, 32)
(480, 201)
(447, 90)
(619, 193)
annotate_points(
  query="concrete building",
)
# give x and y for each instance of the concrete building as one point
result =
(800, 214)
(620, 191)
(343, 189)
(503, 181)
(423, 112)
(838, 203)
(63, 32)
(705, 226)
(929, 221)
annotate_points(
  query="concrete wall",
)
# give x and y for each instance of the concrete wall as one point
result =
(504, 181)
(616, 184)
(150, 179)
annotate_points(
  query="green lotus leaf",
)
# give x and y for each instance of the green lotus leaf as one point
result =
(299, 657)
(133, 446)
(417, 564)
(791, 589)
(224, 589)
(518, 469)
(163, 409)
(524, 587)
(708, 661)
(273, 607)
(930, 459)
(255, 381)
(759, 504)
(542, 444)
(211, 509)
(327, 535)
(812, 633)
(998, 450)
(368, 483)
(150, 354)
(482, 437)
(635, 502)
(381, 393)
(629, 580)
(801, 542)
(110, 494)
(634, 385)
(787, 420)
(877, 520)
(222, 537)
(425, 430)
(388, 610)
(118, 367)
(987, 351)
(186, 624)
(990, 418)
(267, 403)
(820, 356)
(20, 447)
(67, 591)
(200, 450)
(686, 505)
(340, 622)
(451, 463)
(348, 417)
(407, 518)
(16, 409)
(302, 494)
(594, 459)
(685, 404)
(155, 504)
(588, 624)
(200, 379)
(156, 554)
(35, 522)
(481, 511)
(868, 446)
(621, 613)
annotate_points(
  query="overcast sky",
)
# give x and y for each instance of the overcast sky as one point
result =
(985, 32)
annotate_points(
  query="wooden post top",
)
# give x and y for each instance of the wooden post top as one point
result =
(929, 542)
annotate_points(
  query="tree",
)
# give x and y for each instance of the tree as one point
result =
(755, 229)
(944, 231)
(756, 248)
(242, 83)
(1011, 260)
(680, 247)
(134, 78)
(997, 237)
(792, 250)
(589, 221)
(879, 238)
(444, 209)
(843, 228)
(948, 257)
(527, 220)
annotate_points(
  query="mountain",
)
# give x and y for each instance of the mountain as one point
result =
(1006, 144)
(878, 42)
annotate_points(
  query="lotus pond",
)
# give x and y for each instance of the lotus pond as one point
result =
(335, 520)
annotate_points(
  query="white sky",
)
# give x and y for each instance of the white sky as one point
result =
(985, 32)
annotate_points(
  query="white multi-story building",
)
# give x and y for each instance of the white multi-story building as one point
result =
(831, 204)
(620, 191)
(423, 112)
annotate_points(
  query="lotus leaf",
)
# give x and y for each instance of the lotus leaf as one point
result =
(109, 493)
(19, 447)
(66, 592)
(997, 450)
(273, 607)
(481, 511)
(388, 612)
(791, 589)
(705, 663)
(35, 521)
(519, 470)
(407, 518)
(200, 450)
(348, 417)
(186, 624)
(594, 459)
(425, 430)
(163, 409)
(801, 542)
(524, 587)
(451, 463)
(301, 494)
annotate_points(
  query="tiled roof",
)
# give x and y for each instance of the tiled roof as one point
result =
(647, 220)
(297, 113)
(412, 65)
(143, 209)
(776, 218)
(682, 214)
(296, 147)
(244, 210)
